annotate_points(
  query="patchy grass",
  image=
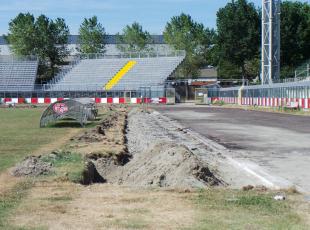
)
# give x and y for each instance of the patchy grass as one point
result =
(66, 163)
(126, 208)
(20, 134)
(129, 223)
(218, 102)
(234, 209)
(60, 198)
(11, 199)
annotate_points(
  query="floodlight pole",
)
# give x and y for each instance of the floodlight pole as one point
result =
(270, 52)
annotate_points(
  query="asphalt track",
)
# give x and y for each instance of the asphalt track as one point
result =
(279, 143)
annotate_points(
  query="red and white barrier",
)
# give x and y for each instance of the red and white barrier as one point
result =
(109, 100)
(303, 103)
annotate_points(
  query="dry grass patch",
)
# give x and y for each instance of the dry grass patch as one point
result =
(103, 207)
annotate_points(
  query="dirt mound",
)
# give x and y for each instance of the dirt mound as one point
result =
(164, 165)
(98, 134)
(32, 166)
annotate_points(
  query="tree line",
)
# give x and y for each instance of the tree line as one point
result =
(233, 47)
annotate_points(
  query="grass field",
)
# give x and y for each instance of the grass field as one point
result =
(235, 209)
(43, 203)
(20, 135)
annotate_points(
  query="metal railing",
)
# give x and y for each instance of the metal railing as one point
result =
(149, 54)
(132, 85)
(299, 89)
(154, 93)
(12, 58)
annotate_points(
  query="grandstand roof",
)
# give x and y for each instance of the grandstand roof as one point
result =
(110, 39)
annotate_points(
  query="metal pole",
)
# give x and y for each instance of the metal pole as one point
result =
(270, 41)
(263, 48)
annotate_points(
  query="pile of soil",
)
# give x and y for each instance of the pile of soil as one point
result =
(166, 164)
(32, 166)
(98, 134)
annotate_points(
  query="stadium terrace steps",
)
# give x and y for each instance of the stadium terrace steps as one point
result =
(95, 74)
(17, 75)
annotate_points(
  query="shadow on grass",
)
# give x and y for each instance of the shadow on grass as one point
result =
(72, 124)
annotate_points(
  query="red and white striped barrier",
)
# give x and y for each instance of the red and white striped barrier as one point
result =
(109, 100)
(303, 103)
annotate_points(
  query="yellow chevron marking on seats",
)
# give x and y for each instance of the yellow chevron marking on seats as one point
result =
(118, 76)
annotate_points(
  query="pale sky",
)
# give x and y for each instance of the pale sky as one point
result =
(115, 14)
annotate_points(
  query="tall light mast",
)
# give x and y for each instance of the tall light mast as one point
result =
(270, 54)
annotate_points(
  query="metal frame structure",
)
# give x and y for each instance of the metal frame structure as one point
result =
(270, 53)
(81, 110)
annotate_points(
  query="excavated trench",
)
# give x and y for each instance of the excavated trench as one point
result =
(150, 157)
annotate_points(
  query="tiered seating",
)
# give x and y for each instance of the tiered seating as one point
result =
(94, 74)
(17, 75)
(148, 72)
(89, 74)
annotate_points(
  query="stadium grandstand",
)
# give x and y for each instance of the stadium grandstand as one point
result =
(18, 73)
(101, 75)
(112, 73)
(105, 74)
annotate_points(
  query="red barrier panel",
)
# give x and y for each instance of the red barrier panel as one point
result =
(110, 100)
(163, 100)
(47, 100)
(122, 100)
(34, 100)
(21, 100)
(97, 100)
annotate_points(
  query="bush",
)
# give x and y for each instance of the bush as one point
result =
(218, 102)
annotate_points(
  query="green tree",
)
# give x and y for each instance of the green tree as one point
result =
(134, 39)
(51, 47)
(183, 33)
(238, 26)
(91, 36)
(42, 37)
(23, 35)
(228, 70)
(295, 36)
